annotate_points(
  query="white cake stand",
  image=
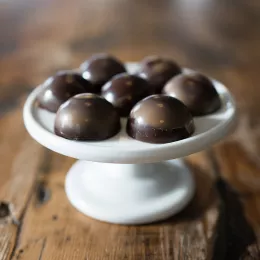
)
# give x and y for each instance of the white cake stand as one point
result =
(124, 181)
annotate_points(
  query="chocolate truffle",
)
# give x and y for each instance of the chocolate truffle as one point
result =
(196, 91)
(100, 68)
(157, 71)
(87, 117)
(60, 88)
(160, 119)
(124, 91)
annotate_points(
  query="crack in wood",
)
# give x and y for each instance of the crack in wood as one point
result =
(42, 165)
(42, 249)
(7, 213)
(43, 194)
(4, 210)
(19, 227)
(234, 234)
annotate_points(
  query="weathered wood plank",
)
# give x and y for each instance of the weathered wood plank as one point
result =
(58, 231)
(20, 158)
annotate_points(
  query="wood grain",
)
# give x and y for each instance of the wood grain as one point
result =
(17, 178)
(220, 38)
(80, 237)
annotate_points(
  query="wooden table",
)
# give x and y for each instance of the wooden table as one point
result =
(220, 38)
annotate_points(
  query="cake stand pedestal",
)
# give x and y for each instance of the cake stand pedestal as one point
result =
(129, 193)
(122, 180)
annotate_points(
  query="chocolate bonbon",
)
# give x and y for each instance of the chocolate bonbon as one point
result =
(60, 87)
(100, 68)
(196, 91)
(87, 117)
(157, 71)
(124, 91)
(160, 119)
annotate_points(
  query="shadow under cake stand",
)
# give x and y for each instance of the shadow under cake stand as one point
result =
(125, 181)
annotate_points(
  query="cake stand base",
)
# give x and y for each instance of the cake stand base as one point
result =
(129, 193)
